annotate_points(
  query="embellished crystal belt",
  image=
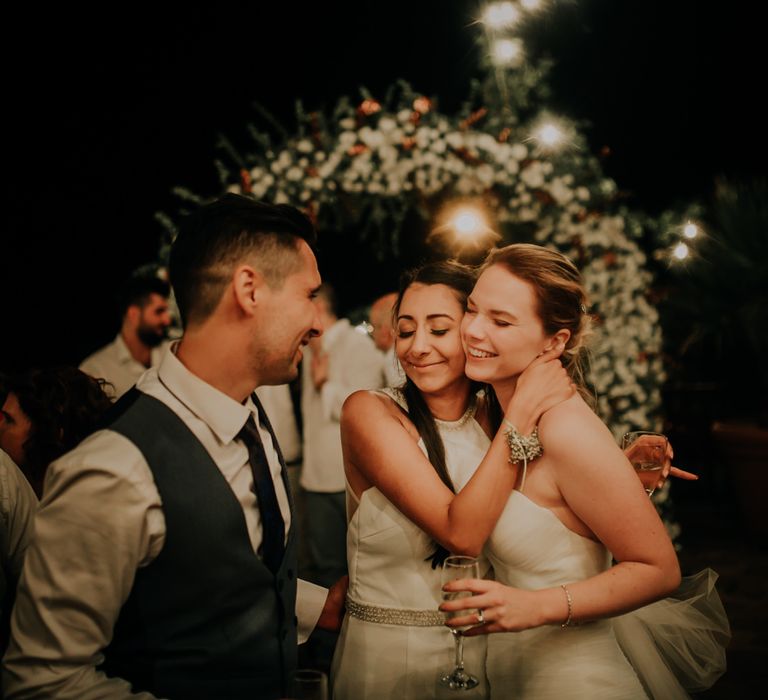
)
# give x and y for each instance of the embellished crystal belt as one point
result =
(395, 616)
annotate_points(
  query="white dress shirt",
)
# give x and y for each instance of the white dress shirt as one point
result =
(353, 363)
(392, 370)
(17, 511)
(278, 406)
(115, 363)
(101, 519)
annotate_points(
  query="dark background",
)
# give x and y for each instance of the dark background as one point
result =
(105, 113)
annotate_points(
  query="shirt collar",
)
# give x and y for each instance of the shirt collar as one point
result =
(123, 353)
(221, 413)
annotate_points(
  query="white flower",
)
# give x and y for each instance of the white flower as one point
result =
(455, 140)
(304, 146)
(438, 146)
(404, 116)
(519, 151)
(560, 191)
(533, 175)
(387, 124)
(347, 139)
(348, 123)
(371, 138)
(294, 174)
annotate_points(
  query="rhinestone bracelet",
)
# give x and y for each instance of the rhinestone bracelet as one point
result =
(521, 448)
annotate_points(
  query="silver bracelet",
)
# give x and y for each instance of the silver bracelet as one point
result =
(567, 622)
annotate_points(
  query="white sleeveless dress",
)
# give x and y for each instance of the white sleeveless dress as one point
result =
(663, 650)
(389, 579)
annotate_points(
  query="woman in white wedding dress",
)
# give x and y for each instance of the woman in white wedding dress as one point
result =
(572, 510)
(394, 643)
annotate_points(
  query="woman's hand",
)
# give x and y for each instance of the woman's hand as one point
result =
(667, 469)
(541, 386)
(503, 608)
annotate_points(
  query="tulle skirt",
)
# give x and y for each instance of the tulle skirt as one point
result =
(677, 645)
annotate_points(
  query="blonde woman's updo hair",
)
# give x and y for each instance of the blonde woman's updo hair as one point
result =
(559, 291)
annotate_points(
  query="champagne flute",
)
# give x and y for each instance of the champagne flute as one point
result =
(310, 684)
(455, 568)
(648, 455)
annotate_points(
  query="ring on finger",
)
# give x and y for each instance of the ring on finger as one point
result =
(480, 617)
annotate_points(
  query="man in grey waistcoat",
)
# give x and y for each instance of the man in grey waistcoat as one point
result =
(163, 560)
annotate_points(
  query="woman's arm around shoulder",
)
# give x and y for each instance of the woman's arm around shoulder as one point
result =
(381, 445)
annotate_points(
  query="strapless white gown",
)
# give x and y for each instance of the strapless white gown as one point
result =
(386, 555)
(658, 651)
(674, 645)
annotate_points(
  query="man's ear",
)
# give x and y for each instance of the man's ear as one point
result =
(133, 314)
(249, 288)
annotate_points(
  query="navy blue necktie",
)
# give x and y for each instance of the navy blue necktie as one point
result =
(272, 523)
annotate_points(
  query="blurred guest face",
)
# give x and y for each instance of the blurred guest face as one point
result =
(380, 319)
(154, 319)
(15, 427)
(428, 341)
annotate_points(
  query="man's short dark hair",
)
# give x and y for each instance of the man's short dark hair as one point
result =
(138, 289)
(216, 237)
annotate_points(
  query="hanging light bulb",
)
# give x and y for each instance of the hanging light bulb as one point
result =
(680, 251)
(507, 52)
(501, 15)
(468, 223)
(464, 226)
(690, 230)
(549, 135)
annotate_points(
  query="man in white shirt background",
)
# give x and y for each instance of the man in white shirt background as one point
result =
(342, 361)
(145, 319)
(383, 334)
(163, 558)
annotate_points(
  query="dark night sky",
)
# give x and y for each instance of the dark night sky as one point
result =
(106, 113)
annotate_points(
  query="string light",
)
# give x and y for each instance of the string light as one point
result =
(501, 15)
(507, 52)
(680, 251)
(464, 226)
(468, 224)
(549, 135)
(690, 230)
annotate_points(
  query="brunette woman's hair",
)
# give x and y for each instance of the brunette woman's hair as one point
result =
(460, 279)
(64, 405)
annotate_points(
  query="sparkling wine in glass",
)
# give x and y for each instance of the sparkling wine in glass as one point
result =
(648, 454)
(454, 569)
(309, 684)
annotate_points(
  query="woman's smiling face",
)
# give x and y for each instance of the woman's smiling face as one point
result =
(428, 339)
(501, 331)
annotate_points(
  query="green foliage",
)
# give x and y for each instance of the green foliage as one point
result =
(717, 311)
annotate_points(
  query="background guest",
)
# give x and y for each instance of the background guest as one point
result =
(139, 344)
(17, 510)
(46, 413)
(383, 334)
(343, 360)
